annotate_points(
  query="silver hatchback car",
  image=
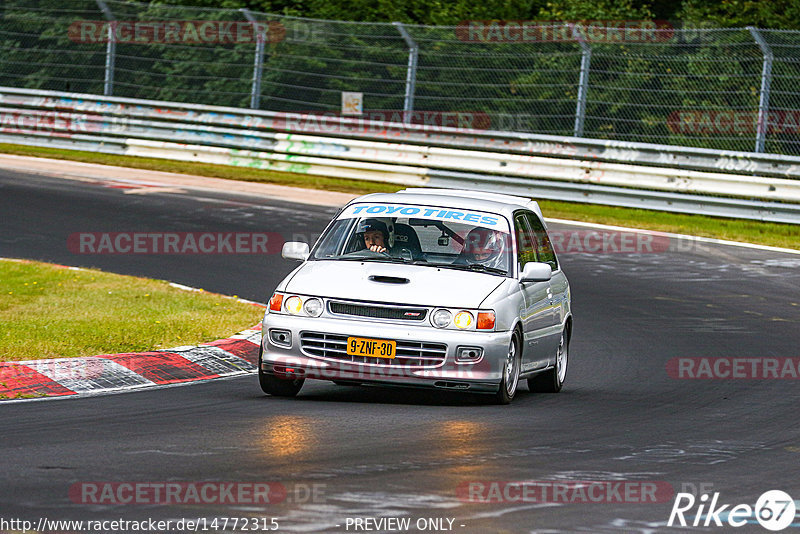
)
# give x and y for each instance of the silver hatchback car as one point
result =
(449, 289)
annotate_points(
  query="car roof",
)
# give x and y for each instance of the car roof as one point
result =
(457, 198)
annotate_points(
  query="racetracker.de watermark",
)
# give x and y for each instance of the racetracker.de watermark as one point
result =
(175, 243)
(328, 122)
(733, 368)
(565, 491)
(555, 31)
(720, 122)
(150, 242)
(231, 493)
(58, 123)
(618, 242)
(175, 31)
(291, 368)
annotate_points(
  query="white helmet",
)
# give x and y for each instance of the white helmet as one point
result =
(485, 246)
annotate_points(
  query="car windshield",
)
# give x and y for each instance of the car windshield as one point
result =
(422, 235)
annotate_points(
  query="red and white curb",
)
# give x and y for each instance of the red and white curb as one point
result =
(65, 377)
(93, 375)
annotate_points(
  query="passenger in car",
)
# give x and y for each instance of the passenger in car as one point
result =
(484, 246)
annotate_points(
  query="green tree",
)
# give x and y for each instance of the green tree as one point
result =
(779, 14)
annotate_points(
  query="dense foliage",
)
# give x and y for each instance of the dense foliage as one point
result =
(779, 14)
(696, 84)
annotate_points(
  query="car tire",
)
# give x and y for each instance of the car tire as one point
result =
(552, 380)
(508, 385)
(277, 386)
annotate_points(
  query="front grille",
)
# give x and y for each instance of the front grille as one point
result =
(379, 312)
(334, 346)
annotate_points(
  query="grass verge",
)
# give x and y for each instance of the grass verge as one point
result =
(53, 312)
(772, 234)
(762, 233)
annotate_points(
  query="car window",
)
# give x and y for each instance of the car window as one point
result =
(541, 241)
(525, 242)
(336, 240)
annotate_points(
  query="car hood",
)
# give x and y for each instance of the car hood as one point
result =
(426, 286)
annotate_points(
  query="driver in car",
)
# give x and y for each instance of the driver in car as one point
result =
(375, 233)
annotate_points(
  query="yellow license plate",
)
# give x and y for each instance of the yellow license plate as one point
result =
(373, 348)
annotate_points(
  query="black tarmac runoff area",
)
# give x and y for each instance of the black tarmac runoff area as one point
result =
(682, 392)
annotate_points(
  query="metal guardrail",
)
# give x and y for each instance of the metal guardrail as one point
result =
(678, 179)
(719, 88)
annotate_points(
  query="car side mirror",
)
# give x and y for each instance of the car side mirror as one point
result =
(536, 272)
(295, 250)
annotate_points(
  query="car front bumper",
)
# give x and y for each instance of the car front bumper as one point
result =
(295, 360)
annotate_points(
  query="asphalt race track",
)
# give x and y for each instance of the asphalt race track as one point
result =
(342, 453)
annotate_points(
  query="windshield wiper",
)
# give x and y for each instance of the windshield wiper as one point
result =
(387, 259)
(482, 268)
(470, 267)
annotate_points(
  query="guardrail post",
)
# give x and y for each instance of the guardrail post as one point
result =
(411, 72)
(763, 97)
(258, 62)
(111, 49)
(583, 81)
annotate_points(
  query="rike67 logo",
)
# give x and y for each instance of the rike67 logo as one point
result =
(774, 511)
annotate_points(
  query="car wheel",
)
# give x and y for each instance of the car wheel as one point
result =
(508, 386)
(277, 386)
(552, 380)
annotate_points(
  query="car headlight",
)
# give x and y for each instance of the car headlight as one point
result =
(313, 307)
(294, 305)
(286, 303)
(441, 318)
(463, 319)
